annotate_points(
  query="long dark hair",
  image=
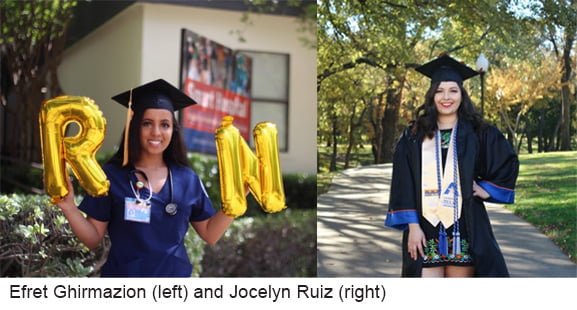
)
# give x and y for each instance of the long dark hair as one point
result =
(174, 153)
(426, 121)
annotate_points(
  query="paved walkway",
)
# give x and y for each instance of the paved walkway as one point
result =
(353, 241)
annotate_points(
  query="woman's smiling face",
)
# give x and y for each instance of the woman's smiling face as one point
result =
(448, 98)
(155, 131)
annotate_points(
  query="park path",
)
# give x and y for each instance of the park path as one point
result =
(353, 241)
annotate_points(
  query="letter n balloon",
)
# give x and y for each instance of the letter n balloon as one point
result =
(238, 165)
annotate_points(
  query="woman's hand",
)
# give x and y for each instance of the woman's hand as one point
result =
(68, 202)
(480, 192)
(417, 241)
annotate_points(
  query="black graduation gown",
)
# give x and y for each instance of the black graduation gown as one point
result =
(486, 157)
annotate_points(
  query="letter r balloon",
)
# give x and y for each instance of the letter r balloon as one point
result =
(238, 165)
(78, 150)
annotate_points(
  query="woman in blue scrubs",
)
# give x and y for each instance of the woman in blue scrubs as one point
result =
(154, 194)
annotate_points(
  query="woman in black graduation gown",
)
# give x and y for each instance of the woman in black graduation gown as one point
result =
(446, 164)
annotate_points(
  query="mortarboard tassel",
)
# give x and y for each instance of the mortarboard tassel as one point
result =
(443, 244)
(456, 239)
(129, 114)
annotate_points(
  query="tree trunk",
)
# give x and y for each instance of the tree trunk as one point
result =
(551, 145)
(390, 118)
(529, 141)
(351, 135)
(333, 163)
(376, 118)
(540, 138)
(565, 134)
(31, 62)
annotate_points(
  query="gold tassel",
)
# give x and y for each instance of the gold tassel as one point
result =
(129, 114)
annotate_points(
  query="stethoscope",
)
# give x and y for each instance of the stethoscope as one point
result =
(171, 208)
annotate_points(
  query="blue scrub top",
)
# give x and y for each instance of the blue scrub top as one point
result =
(154, 249)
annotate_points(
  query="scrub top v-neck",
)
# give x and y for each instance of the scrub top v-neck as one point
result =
(156, 248)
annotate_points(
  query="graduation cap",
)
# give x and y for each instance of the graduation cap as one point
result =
(444, 68)
(158, 94)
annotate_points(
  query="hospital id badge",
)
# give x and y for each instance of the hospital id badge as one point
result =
(136, 210)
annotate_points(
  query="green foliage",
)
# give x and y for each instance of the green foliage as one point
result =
(362, 157)
(278, 245)
(207, 169)
(36, 241)
(305, 13)
(364, 46)
(195, 250)
(33, 21)
(546, 196)
(300, 191)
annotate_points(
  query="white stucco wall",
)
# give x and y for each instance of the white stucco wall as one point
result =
(142, 43)
(97, 66)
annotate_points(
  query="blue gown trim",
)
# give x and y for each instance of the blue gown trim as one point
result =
(400, 219)
(498, 194)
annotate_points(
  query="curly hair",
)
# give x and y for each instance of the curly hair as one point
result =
(426, 121)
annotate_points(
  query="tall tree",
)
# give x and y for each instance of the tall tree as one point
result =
(516, 87)
(559, 18)
(386, 34)
(31, 45)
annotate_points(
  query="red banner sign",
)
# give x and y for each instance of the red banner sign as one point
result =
(219, 80)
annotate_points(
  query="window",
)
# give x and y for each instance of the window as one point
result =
(270, 88)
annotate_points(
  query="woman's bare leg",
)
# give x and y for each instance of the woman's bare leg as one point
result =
(433, 272)
(459, 271)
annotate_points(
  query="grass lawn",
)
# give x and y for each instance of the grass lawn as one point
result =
(546, 196)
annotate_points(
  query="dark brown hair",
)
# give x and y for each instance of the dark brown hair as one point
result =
(426, 121)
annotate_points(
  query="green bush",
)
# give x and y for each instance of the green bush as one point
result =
(277, 245)
(36, 241)
(300, 191)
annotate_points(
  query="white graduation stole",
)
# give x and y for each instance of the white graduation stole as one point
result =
(441, 188)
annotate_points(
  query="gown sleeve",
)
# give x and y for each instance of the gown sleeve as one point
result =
(403, 195)
(499, 167)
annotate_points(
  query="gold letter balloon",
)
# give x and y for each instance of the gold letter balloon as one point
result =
(79, 150)
(238, 165)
